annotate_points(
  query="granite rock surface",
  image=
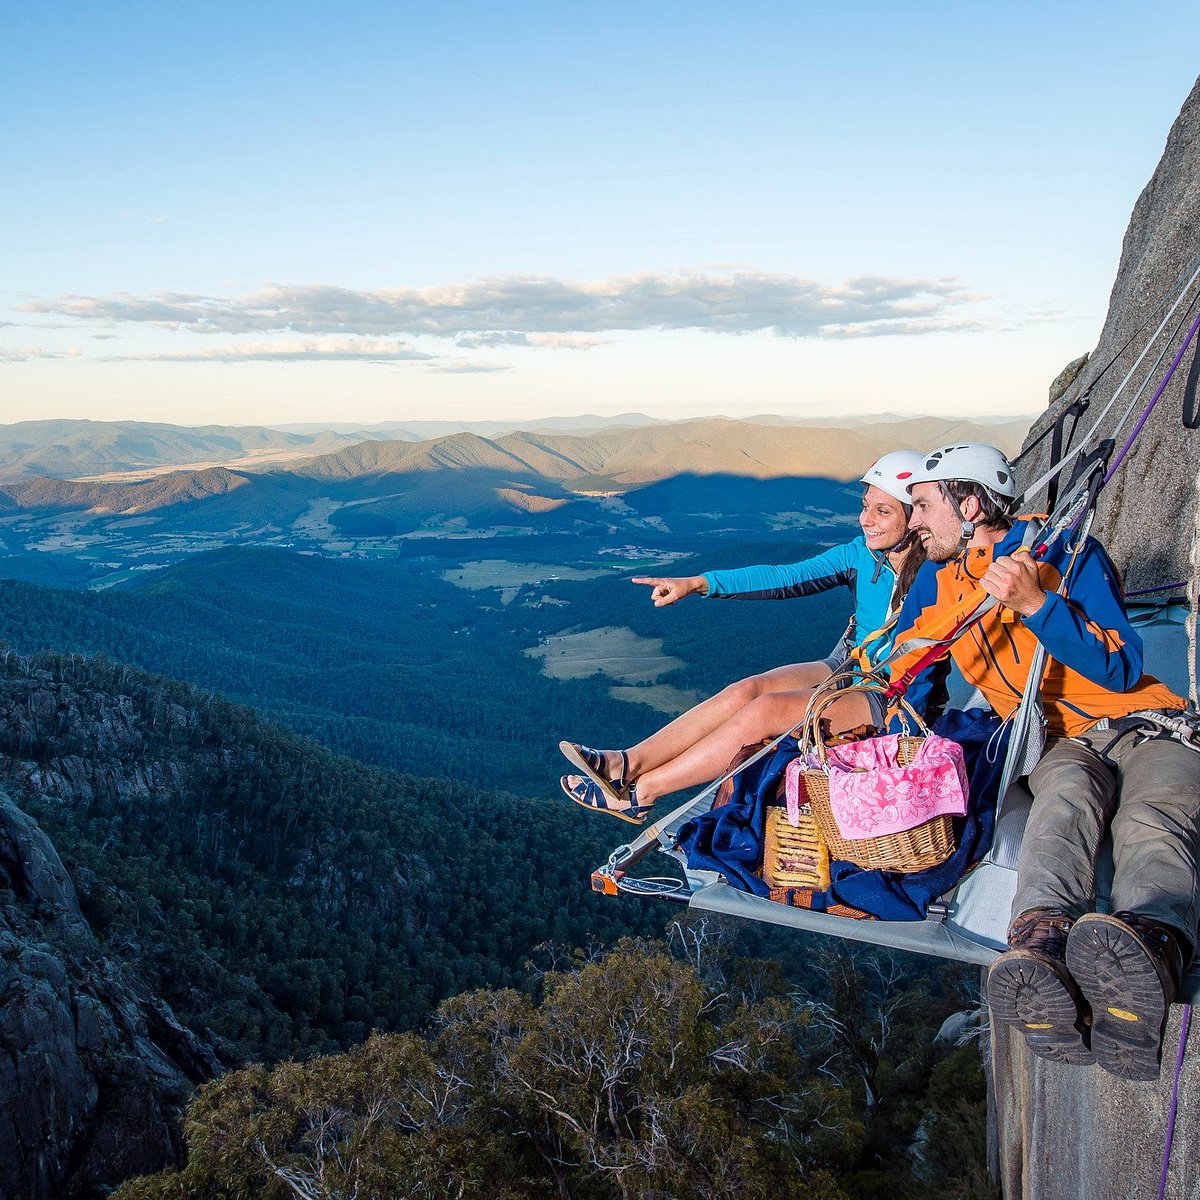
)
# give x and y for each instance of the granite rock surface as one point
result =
(1148, 511)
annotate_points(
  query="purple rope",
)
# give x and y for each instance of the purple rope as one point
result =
(1162, 587)
(1162, 387)
(1183, 1036)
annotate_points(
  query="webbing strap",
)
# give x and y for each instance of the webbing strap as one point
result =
(1076, 408)
(937, 646)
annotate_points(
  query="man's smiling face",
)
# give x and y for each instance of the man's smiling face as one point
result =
(936, 521)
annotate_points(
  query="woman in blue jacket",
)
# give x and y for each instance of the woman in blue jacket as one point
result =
(697, 746)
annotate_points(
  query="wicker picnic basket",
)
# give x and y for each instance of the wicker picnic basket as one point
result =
(914, 849)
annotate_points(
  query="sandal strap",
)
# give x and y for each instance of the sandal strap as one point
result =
(597, 760)
(591, 795)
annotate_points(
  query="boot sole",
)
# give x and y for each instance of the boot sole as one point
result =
(1025, 991)
(1121, 983)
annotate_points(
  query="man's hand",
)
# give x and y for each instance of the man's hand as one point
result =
(667, 591)
(1014, 582)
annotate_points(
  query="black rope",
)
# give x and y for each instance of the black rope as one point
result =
(1076, 408)
(1191, 407)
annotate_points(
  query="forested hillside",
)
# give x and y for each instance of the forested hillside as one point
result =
(391, 663)
(286, 898)
(280, 900)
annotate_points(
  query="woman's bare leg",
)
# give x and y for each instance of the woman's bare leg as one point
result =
(766, 716)
(690, 727)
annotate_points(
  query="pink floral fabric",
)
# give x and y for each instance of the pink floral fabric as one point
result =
(794, 786)
(872, 796)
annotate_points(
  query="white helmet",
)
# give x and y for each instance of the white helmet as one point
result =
(893, 473)
(975, 462)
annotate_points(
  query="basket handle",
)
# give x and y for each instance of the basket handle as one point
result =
(824, 695)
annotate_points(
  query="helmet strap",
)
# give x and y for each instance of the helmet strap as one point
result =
(967, 529)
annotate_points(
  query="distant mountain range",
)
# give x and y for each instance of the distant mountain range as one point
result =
(67, 449)
(79, 449)
(621, 487)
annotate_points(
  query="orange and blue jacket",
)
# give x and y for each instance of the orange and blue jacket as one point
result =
(1094, 664)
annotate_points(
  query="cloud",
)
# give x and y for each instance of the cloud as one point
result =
(459, 367)
(567, 341)
(503, 309)
(561, 341)
(487, 341)
(14, 354)
(348, 349)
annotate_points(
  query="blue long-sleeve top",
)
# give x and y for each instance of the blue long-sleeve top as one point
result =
(869, 576)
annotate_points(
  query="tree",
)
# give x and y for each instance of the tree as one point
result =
(629, 1081)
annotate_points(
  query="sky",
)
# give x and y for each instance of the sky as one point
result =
(266, 213)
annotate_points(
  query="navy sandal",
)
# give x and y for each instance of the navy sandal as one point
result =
(600, 797)
(591, 763)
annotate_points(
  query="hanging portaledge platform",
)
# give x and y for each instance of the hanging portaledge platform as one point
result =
(968, 924)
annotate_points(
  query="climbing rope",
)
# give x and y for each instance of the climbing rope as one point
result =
(1141, 422)
(1079, 406)
(1174, 1110)
(1070, 459)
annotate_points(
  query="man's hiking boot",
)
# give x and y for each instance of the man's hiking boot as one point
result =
(1030, 988)
(1129, 969)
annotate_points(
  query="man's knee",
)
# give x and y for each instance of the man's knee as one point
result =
(1073, 772)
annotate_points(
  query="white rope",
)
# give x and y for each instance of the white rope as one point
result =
(1071, 456)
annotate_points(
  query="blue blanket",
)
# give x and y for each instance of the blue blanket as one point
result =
(729, 839)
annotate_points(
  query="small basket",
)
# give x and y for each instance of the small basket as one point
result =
(794, 856)
(911, 850)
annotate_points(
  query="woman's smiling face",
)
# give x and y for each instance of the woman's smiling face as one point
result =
(882, 520)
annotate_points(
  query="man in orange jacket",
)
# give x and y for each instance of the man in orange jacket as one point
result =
(1080, 985)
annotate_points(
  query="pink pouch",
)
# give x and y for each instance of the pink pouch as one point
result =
(794, 786)
(872, 795)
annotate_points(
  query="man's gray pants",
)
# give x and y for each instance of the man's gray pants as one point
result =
(1147, 794)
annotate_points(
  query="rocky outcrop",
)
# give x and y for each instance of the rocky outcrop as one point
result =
(1146, 513)
(94, 1072)
(1067, 1132)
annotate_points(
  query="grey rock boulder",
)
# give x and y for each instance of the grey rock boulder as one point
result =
(94, 1072)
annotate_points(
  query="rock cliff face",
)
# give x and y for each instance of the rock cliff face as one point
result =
(1068, 1132)
(94, 1072)
(1146, 514)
